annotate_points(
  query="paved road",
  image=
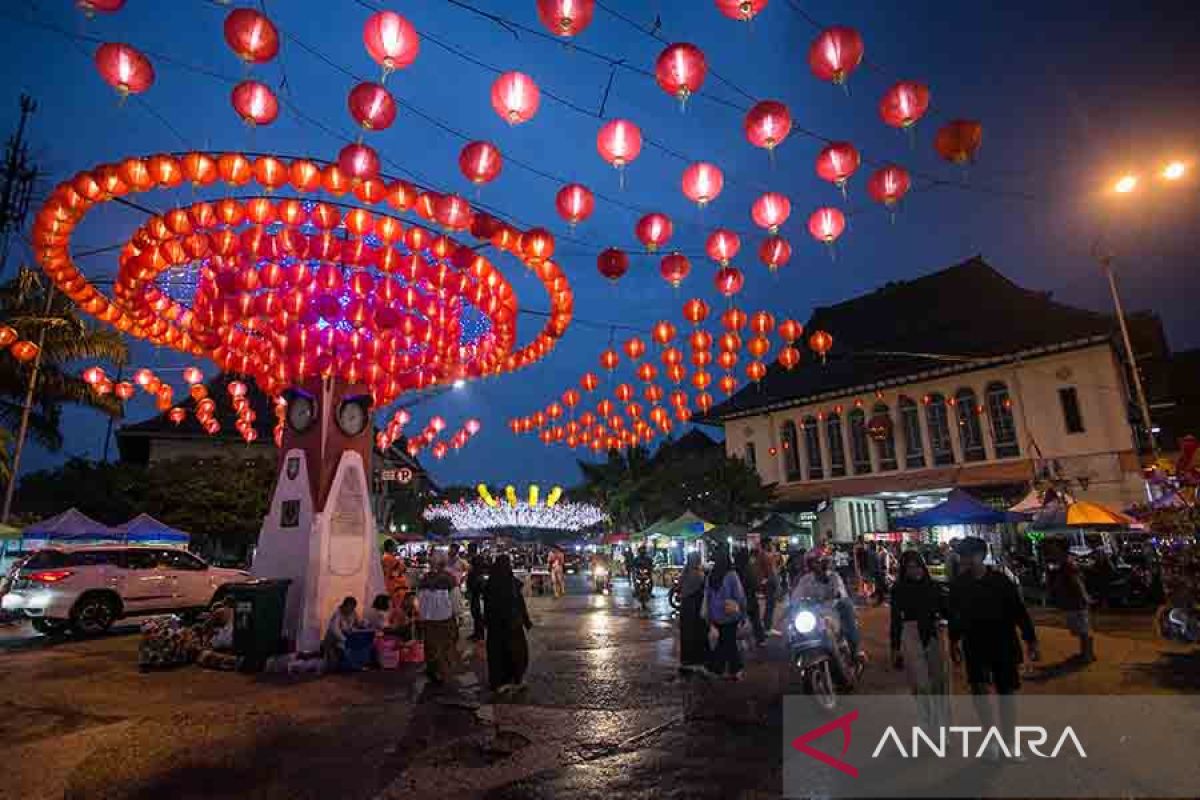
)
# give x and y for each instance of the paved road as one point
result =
(606, 713)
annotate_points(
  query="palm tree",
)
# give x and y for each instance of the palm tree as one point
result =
(66, 338)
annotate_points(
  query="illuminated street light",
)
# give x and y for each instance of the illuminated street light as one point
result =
(460, 383)
(1174, 171)
(1125, 184)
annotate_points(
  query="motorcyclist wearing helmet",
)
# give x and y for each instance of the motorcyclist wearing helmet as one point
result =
(821, 584)
(643, 563)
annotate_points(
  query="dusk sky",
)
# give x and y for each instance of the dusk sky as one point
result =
(1071, 93)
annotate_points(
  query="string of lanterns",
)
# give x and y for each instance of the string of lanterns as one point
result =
(428, 437)
(22, 350)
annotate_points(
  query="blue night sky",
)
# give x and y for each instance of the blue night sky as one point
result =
(1070, 92)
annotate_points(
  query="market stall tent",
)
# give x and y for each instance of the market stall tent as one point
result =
(70, 527)
(145, 529)
(959, 508)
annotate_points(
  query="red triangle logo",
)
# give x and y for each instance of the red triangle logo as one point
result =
(842, 723)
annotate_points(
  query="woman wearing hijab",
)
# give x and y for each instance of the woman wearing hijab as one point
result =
(506, 620)
(918, 606)
(726, 608)
(693, 630)
(749, 574)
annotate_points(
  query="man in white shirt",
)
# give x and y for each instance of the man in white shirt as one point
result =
(439, 620)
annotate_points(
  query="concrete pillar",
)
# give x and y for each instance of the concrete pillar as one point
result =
(847, 453)
(823, 441)
(985, 426)
(926, 444)
(899, 438)
(801, 449)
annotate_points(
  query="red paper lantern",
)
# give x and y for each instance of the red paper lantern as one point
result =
(359, 161)
(770, 211)
(835, 53)
(612, 263)
(24, 351)
(619, 142)
(609, 360)
(756, 371)
(566, 17)
(575, 203)
(734, 319)
(826, 224)
(904, 104)
(790, 330)
(590, 382)
(789, 357)
(537, 245)
(722, 246)
(90, 7)
(251, 35)
(647, 372)
(674, 267)
(889, 184)
(663, 332)
(654, 230)
(744, 10)
(93, 376)
(702, 182)
(729, 281)
(372, 106)
(124, 390)
(820, 343)
(680, 70)
(837, 162)
(391, 41)
(515, 97)
(762, 322)
(177, 415)
(635, 348)
(700, 340)
(255, 103)
(480, 162)
(124, 68)
(728, 384)
(695, 311)
(143, 377)
(958, 141)
(767, 124)
(8, 335)
(452, 212)
(775, 252)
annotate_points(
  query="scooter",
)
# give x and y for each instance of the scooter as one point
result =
(821, 654)
(643, 588)
(601, 580)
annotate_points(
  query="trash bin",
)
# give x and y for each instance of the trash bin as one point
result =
(258, 609)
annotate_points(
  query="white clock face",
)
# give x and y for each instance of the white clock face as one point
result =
(302, 413)
(352, 418)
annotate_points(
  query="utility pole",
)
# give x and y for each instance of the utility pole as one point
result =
(16, 183)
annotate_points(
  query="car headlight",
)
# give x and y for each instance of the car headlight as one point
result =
(805, 622)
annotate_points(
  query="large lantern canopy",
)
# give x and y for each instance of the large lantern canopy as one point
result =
(680, 70)
(515, 97)
(251, 36)
(124, 68)
(836, 53)
(391, 40)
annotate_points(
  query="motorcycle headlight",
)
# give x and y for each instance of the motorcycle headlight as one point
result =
(600, 572)
(805, 622)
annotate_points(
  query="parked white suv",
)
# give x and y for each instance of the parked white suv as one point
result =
(88, 588)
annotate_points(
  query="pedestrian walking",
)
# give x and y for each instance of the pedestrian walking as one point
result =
(861, 566)
(768, 572)
(726, 599)
(557, 563)
(693, 630)
(476, 581)
(439, 622)
(986, 612)
(507, 620)
(395, 572)
(919, 606)
(1072, 597)
(748, 574)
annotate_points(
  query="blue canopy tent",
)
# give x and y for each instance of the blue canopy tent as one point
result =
(145, 529)
(959, 508)
(70, 527)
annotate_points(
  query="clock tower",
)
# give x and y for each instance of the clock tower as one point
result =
(319, 531)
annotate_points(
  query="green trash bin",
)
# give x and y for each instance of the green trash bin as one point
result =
(258, 609)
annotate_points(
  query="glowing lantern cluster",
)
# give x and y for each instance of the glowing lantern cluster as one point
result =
(20, 349)
(391, 40)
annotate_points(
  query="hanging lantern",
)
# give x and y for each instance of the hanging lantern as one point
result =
(744, 10)
(758, 346)
(255, 103)
(635, 348)
(680, 70)
(729, 281)
(790, 330)
(654, 230)
(702, 182)
(674, 267)
(728, 384)
(590, 382)
(835, 54)
(695, 311)
(767, 124)
(24, 351)
(756, 371)
(575, 203)
(391, 41)
(789, 357)
(700, 340)
(820, 343)
(515, 97)
(8, 335)
(958, 141)
(888, 185)
(177, 415)
(251, 36)
(612, 263)
(372, 106)
(143, 377)
(472, 426)
(733, 319)
(103, 387)
(770, 211)
(480, 162)
(192, 376)
(775, 252)
(762, 322)
(837, 162)
(624, 393)
(92, 7)
(904, 104)
(826, 225)
(619, 142)
(124, 68)
(647, 372)
(609, 360)
(537, 245)
(359, 161)
(879, 427)
(722, 245)
(198, 392)
(93, 375)
(663, 332)
(124, 390)
(566, 18)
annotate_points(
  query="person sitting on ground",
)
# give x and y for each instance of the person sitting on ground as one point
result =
(344, 620)
(376, 618)
(403, 618)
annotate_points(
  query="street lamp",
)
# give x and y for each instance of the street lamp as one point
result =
(1174, 171)
(1125, 184)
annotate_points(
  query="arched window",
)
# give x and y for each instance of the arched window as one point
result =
(914, 447)
(970, 432)
(879, 427)
(837, 454)
(812, 443)
(750, 455)
(1000, 415)
(939, 430)
(791, 450)
(860, 450)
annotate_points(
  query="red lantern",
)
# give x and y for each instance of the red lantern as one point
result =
(8, 335)
(635, 348)
(722, 245)
(744, 10)
(889, 184)
(695, 311)
(624, 393)
(770, 211)
(790, 330)
(826, 224)
(123, 390)
(589, 382)
(566, 17)
(124, 68)
(733, 319)
(756, 371)
(537, 245)
(612, 263)
(958, 141)
(762, 322)
(93, 376)
(609, 360)
(702, 182)
(192, 376)
(767, 124)
(619, 142)
(90, 7)
(680, 70)
(575, 203)
(391, 41)
(25, 351)
(663, 332)
(251, 35)
(775, 252)
(837, 162)
(728, 384)
(654, 230)
(143, 378)
(255, 103)
(835, 53)
(372, 106)
(359, 161)
(820, 343)
(729, 281)
(904, 103)
(758, 346)
(480, 162)
(177, 415)
(515, 97)
(789, 357)
(647, 372)
(674, 267)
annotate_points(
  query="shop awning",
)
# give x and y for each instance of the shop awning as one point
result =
(777, 526)
(959, 508)
(1082, 514)
(70, 526)
(686, 526)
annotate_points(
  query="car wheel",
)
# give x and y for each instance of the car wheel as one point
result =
(93, 616)
(48, 627)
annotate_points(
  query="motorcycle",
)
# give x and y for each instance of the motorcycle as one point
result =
(601, 580)
(1179, 623)
(643, 587)
(673, 598)
(821, 653)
